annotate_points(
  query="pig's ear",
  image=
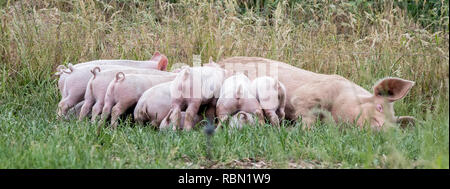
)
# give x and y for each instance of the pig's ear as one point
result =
(162, 64)
(156, 56)
(242, 116)
(392, 88)
(405, 121)
(161, 59)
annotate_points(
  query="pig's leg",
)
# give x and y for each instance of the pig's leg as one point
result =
(65, 104)
(225, 107)
(281, 100)
(165, 122)
(273, 117)
(86, 108)
(260, 116)
(117, 110)
(308, 121)
(175, 116)
(75, 111)
(139, 115)
(106, 110)
(308, 118)
(281, 114)
(77, 108)
(191, 111)
(96, 110)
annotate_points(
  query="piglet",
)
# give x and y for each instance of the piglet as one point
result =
(192, 88)
(165, 123)
(74, 86)
(154, 105)
(235, 96)
(74, 78)
(98, 84)
(158, 61)
(126, 89)
(271, 95)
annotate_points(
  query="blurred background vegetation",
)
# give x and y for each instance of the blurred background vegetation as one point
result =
(362, 41)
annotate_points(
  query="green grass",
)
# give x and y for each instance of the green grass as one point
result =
(32, 137)
(37, 36)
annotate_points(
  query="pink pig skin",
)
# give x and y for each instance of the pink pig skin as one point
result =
(345, 100)
(158, 61)
(235, 95)
(98, 84)
(271, 95)
(240, 119)
(154, 105)
(126, 89)
(78, 76)
(192, 88)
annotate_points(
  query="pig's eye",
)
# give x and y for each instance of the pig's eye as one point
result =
(379, 108)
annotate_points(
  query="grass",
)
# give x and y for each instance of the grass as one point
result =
(37, 36)
(32, 137)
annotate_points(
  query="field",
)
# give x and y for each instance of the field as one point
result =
(363, 41)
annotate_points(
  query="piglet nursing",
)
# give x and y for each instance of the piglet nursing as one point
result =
(240, 119)
(271, 95)
(192, 88)
(126, 89)
(98, 84)
(154, 105)
(236, 96)
(74, 78)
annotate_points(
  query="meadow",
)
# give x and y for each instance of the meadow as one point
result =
(363, 41)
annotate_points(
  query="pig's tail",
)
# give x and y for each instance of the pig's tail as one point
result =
(63, 69)
(95, 71)
(120, 76)
(69, 69)
(60, 69)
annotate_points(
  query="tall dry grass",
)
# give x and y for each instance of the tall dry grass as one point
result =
(360, 42)
(37, 36)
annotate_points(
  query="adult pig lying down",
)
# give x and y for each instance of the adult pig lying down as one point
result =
(78, 75)
(154, 105)
(97, 86)
(126, 89)
(308, 91)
